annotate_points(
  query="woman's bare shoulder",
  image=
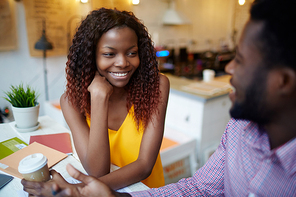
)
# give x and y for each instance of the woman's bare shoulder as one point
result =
(65, 103)
(164, 82)
(64, 100)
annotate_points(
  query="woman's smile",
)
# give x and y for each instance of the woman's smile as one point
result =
(119, 74)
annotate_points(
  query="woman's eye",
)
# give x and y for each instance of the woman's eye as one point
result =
(108, 54)
(132, 54)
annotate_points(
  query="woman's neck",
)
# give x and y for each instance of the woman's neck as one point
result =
(118, 94)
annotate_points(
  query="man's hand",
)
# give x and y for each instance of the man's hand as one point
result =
(57, 186)
(92, 187)
(45, 188)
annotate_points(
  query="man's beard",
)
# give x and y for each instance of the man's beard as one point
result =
(254, 106)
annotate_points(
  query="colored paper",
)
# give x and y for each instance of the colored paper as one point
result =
(10, 146)
(59, 141)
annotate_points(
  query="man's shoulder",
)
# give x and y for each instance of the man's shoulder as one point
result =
(235, 127)
(233, 133)
(238, 123)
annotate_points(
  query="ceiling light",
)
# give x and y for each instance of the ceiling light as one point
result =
(136, 2)
(241, 2)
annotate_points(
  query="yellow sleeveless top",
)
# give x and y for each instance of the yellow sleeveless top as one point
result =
(125, 146)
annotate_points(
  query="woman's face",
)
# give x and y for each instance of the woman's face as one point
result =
(117, 55)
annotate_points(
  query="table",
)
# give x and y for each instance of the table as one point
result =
(47, 126)
(178, 161)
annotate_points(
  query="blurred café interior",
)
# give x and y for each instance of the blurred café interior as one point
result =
(189, 36)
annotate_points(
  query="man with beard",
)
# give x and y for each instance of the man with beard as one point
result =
(257, 153)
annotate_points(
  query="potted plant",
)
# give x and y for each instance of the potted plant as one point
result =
(25, 107)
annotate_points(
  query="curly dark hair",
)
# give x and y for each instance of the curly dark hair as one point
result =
(143, 88)
(277, 38)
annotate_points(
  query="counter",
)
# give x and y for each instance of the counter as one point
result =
(177, 86)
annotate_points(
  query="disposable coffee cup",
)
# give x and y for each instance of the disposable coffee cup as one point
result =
(208, 75)
(34, 168)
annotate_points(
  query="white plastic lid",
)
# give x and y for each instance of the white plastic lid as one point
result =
(32, 163)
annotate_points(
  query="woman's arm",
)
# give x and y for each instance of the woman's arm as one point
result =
(91, 144)
(149, 149)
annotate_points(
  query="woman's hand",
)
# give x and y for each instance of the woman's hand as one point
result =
(100, 85)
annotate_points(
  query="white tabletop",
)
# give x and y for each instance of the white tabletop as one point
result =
(47, 126)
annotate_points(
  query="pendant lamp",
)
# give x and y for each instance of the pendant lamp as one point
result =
(173, 17)
(43, 44)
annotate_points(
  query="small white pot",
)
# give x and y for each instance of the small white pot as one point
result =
(26, 117)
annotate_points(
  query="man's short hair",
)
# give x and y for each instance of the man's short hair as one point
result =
(278, 36)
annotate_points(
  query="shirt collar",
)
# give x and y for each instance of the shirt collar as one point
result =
(287, 156)
(258, 139)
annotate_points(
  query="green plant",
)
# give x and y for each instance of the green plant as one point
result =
(19, 97)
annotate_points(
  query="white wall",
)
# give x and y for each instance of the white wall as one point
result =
(18, 66)
(211, 20)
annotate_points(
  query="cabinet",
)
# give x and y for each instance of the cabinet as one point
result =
(203, 118)
(178, 160)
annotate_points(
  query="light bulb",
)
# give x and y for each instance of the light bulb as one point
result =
(241, 2)
(136, 2)
(83, 1)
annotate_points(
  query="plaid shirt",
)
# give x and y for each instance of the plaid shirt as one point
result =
(243, 165)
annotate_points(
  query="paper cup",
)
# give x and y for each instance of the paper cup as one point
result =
(208, 75)
(34, 168)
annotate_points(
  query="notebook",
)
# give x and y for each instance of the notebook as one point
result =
(4, 179)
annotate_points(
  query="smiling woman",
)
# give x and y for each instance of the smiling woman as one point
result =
(117, 55)
(116, 99)
(114, 83)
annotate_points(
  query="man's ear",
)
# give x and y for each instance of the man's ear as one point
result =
(287, 81)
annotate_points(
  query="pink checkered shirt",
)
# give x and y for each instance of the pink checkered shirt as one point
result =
(243, 165)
